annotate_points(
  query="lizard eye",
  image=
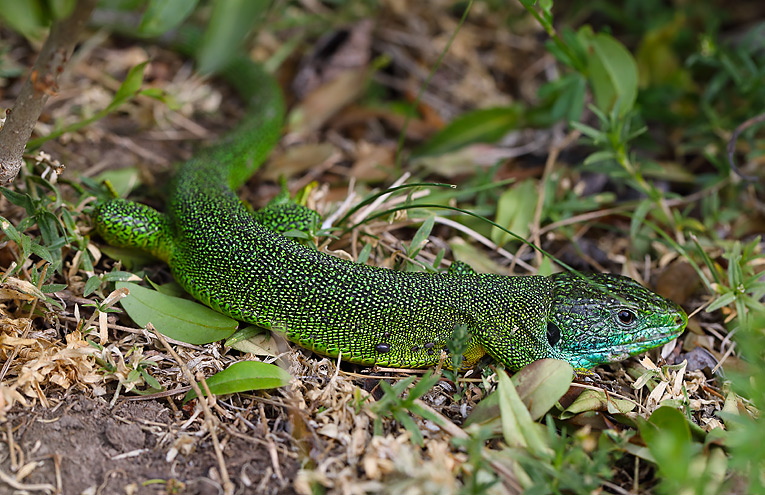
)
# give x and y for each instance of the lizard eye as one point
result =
(553, 333)
(626, 317)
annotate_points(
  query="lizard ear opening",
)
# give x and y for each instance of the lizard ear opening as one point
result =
(553, 333)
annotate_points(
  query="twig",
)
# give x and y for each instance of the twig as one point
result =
(39, 487)
(483, 240)
(11, 447)
(592, 215)
(364, 212)
(536, 231)
(228, 486)
(41, 83)
(138, 331)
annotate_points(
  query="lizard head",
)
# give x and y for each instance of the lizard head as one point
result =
(601, 318)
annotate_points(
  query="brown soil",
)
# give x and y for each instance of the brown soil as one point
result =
(92, 447)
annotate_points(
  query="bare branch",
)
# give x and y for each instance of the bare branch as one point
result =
(41, 83)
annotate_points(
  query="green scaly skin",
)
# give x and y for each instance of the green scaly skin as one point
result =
(373, 316)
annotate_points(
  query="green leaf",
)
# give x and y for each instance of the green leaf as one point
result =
(230, 22)
(539, 385)
(127, 90)
(10, 230)
(42, 251)
(150, 380)
(546, 267)
(562, 99)
(518, 429)
(515, 211)
(163, 15)
(669, 439)
(129, 87)
(475, 257)
(613, 73)
(542, 383)
(119, 276)
(61, 9)
(49, 227)
(51, 288)
(364, 254)
(486, 125)
(255, 340)
(19, 199)
(244, 376)
(27, 17)
(597, 400)
(722, 301)
(91, 285)
(420, 238)
(639, 216)
(599, 156)
(177, 318)
(122, 180)
(172, 288)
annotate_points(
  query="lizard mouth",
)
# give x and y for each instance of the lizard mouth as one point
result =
(641, 343)
(654, 338)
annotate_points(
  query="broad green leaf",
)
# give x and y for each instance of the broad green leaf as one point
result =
(486, 125)
(542, 383)
(562, 99)
(150, 380)
(163, 15)
(658, 62)
(230, 22)
(669, 439)
(25, 16)
(364, 254)
(20, 199)
(613, 74)
(515, 211)
(539, 385)
(244, 376)
(91, 285)
(518, 429)
(641, 212)
(599, 156)
(177, 318)
(42, 251)
(122, 180)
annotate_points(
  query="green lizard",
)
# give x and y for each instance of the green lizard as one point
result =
(222, 256)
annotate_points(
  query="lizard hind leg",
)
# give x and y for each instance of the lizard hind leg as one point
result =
(288, 216)
(127, 224)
